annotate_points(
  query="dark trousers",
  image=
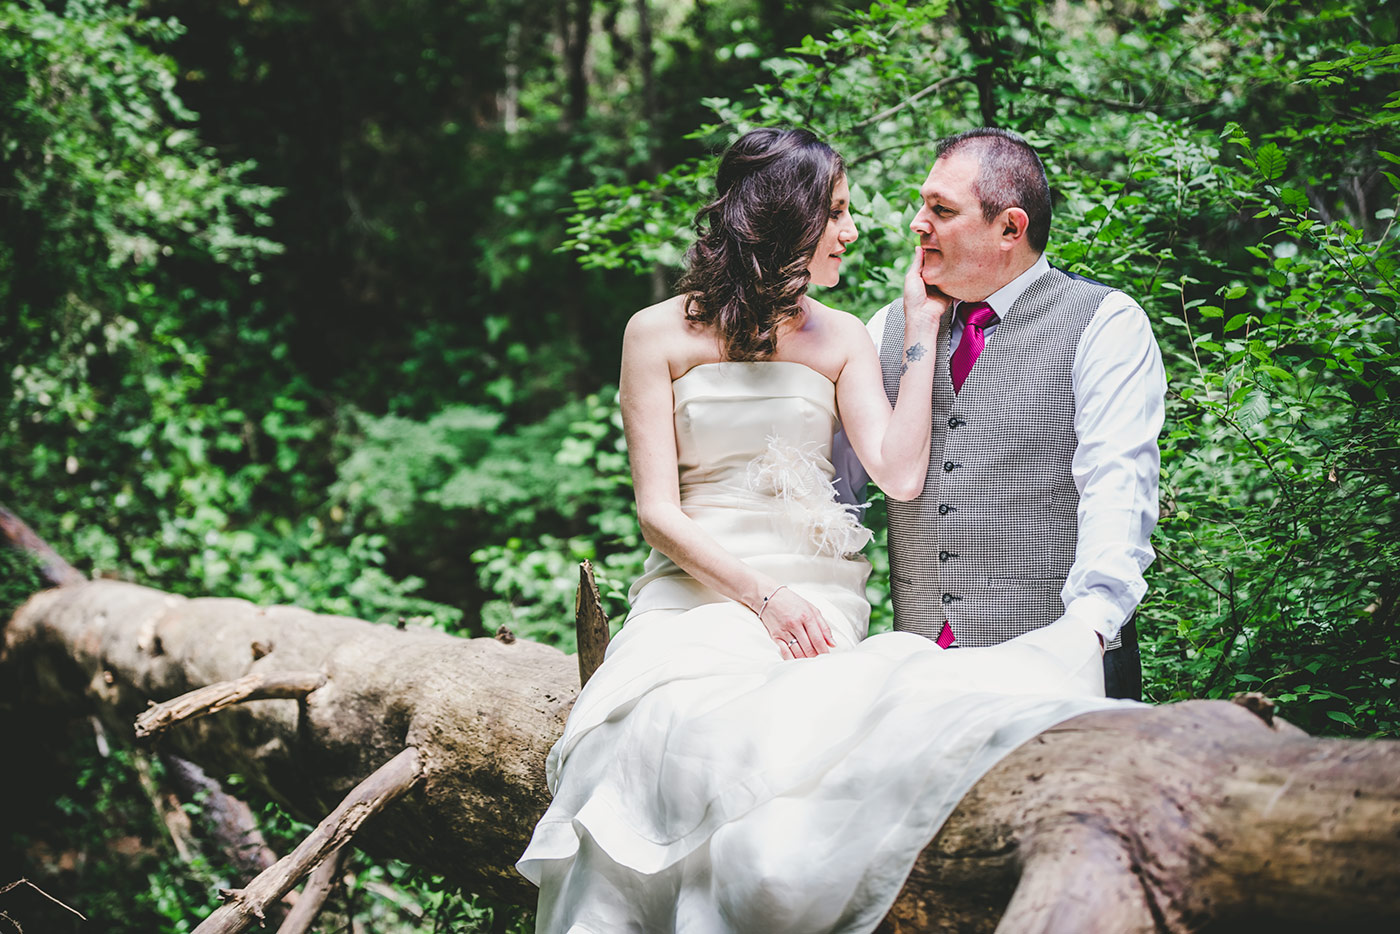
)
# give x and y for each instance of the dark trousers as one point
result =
(1122, 667)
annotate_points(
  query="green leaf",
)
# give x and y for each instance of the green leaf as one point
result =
(1235, 322)
(1253, 409)
(1294, 198)
(1388, 156)
(1270, 161)
(1234, 292)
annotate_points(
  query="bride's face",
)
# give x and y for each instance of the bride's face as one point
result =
(825, 266)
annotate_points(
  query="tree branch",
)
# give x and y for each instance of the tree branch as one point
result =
(911, 100)
(388, 783)
(212, 698)
(313, 897)
(19, 882)
(54, 571)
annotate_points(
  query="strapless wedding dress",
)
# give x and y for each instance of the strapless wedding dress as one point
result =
(703, 784)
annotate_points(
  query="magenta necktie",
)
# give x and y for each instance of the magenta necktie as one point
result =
(976, 316)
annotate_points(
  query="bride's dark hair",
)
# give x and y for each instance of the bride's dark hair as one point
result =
(747, 271)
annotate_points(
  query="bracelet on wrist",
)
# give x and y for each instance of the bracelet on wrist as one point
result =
(764, 605)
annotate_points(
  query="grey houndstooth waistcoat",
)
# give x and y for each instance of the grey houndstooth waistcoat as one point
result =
(989, 542)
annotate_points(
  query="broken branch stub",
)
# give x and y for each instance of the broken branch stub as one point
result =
(590, 623)
(201, 702)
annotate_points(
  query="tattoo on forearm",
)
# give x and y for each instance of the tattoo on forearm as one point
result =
(903, 368)
(916, 352)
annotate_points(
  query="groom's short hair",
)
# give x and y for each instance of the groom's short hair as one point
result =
(1009, 175)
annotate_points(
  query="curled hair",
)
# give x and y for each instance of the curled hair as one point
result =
(1009, 175)
(747, 271)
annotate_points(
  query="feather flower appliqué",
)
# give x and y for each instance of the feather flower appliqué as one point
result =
(796, 480)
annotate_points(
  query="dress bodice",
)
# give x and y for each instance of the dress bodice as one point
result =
(727, 414)
(753, 453)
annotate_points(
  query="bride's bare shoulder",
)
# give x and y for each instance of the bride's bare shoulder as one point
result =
(662, 332)
(834, 321)
(663, 321)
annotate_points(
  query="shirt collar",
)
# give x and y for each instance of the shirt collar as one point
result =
(1003, 298)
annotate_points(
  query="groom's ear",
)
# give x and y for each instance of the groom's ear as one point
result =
(1015, 223)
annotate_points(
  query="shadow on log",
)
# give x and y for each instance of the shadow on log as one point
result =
(1193, 816)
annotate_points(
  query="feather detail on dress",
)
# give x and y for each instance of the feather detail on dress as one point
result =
(796, 478)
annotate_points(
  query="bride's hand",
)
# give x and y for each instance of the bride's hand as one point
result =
(924, 304)
(796, 625)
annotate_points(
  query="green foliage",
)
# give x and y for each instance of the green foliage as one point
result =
(19, 579)
(93, 834)
(1268, 269)
(157, 408)
(99, 149)
(557, 491)
(396, 896)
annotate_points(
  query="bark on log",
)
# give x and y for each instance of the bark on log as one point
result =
(1166, 819)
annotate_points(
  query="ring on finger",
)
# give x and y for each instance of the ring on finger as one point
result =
(792, 642)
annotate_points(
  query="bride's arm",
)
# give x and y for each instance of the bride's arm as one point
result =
(649, 422)
(893, 445)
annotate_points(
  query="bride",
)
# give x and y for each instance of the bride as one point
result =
(745, 760)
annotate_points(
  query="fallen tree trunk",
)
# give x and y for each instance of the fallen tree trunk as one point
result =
(482, 713)
(1161, 819)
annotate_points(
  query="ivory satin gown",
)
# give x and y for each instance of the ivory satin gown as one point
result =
(703, 784)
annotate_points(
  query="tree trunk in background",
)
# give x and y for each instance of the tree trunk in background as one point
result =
(646, 64)
(576, 18)
(1155, 819)
(510, 94)
(978, 22)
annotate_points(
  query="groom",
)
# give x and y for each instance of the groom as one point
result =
(1048, 398)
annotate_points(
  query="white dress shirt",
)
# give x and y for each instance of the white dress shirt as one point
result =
(1119, 388)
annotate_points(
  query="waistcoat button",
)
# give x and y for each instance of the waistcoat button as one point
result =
(944, 509)
(949, 466)
(949, 598)
(956, 422)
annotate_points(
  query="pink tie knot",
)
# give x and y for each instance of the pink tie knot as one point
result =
(976, 314)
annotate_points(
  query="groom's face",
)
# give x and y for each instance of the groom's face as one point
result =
(959, 245)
